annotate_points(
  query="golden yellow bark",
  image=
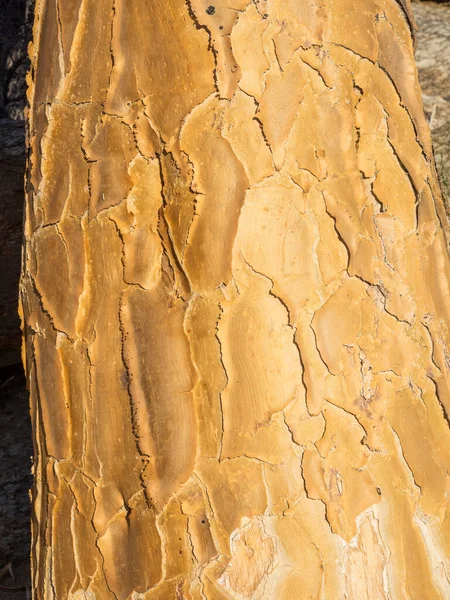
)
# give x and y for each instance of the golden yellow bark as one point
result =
(236, 304)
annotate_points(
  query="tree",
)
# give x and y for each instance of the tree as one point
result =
(235, 298)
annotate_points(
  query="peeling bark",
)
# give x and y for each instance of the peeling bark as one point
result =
(235, 304)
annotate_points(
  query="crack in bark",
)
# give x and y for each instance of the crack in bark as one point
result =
(409, 18)
(163, 226)
(145, 458)
(394, 86)
(211, 46)
(399, 445)
(226, 383)
(445, 413)
(285, 306)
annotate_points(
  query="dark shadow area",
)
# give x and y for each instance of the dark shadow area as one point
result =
(15, 428)
(15, 481)
(15, 32)
(12, 166)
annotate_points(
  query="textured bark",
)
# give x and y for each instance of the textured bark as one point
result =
(235, 297)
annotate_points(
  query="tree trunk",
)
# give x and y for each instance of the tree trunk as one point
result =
(235, 295)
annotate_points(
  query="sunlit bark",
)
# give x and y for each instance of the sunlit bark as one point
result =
(235, 297)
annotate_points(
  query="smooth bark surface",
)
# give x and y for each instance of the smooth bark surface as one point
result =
(235, 295)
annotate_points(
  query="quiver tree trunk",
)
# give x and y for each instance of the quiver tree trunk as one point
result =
(235, 295)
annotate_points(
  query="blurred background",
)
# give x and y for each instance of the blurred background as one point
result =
(433, 61)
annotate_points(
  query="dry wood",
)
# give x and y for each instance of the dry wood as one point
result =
(235, 296)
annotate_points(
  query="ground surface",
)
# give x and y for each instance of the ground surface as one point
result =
(433, 59)
(433, 62)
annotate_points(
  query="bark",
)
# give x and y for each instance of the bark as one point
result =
(235, 296)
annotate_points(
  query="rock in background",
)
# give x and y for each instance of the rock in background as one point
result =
(15, 429)
(15, 32)
(12, 164)
(433, 63)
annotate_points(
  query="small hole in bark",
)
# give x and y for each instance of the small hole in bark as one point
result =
(210, 10)
(203, 521)
(379, 491)
(221, 27)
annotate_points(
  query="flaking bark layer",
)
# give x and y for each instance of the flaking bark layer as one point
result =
(235, 297)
